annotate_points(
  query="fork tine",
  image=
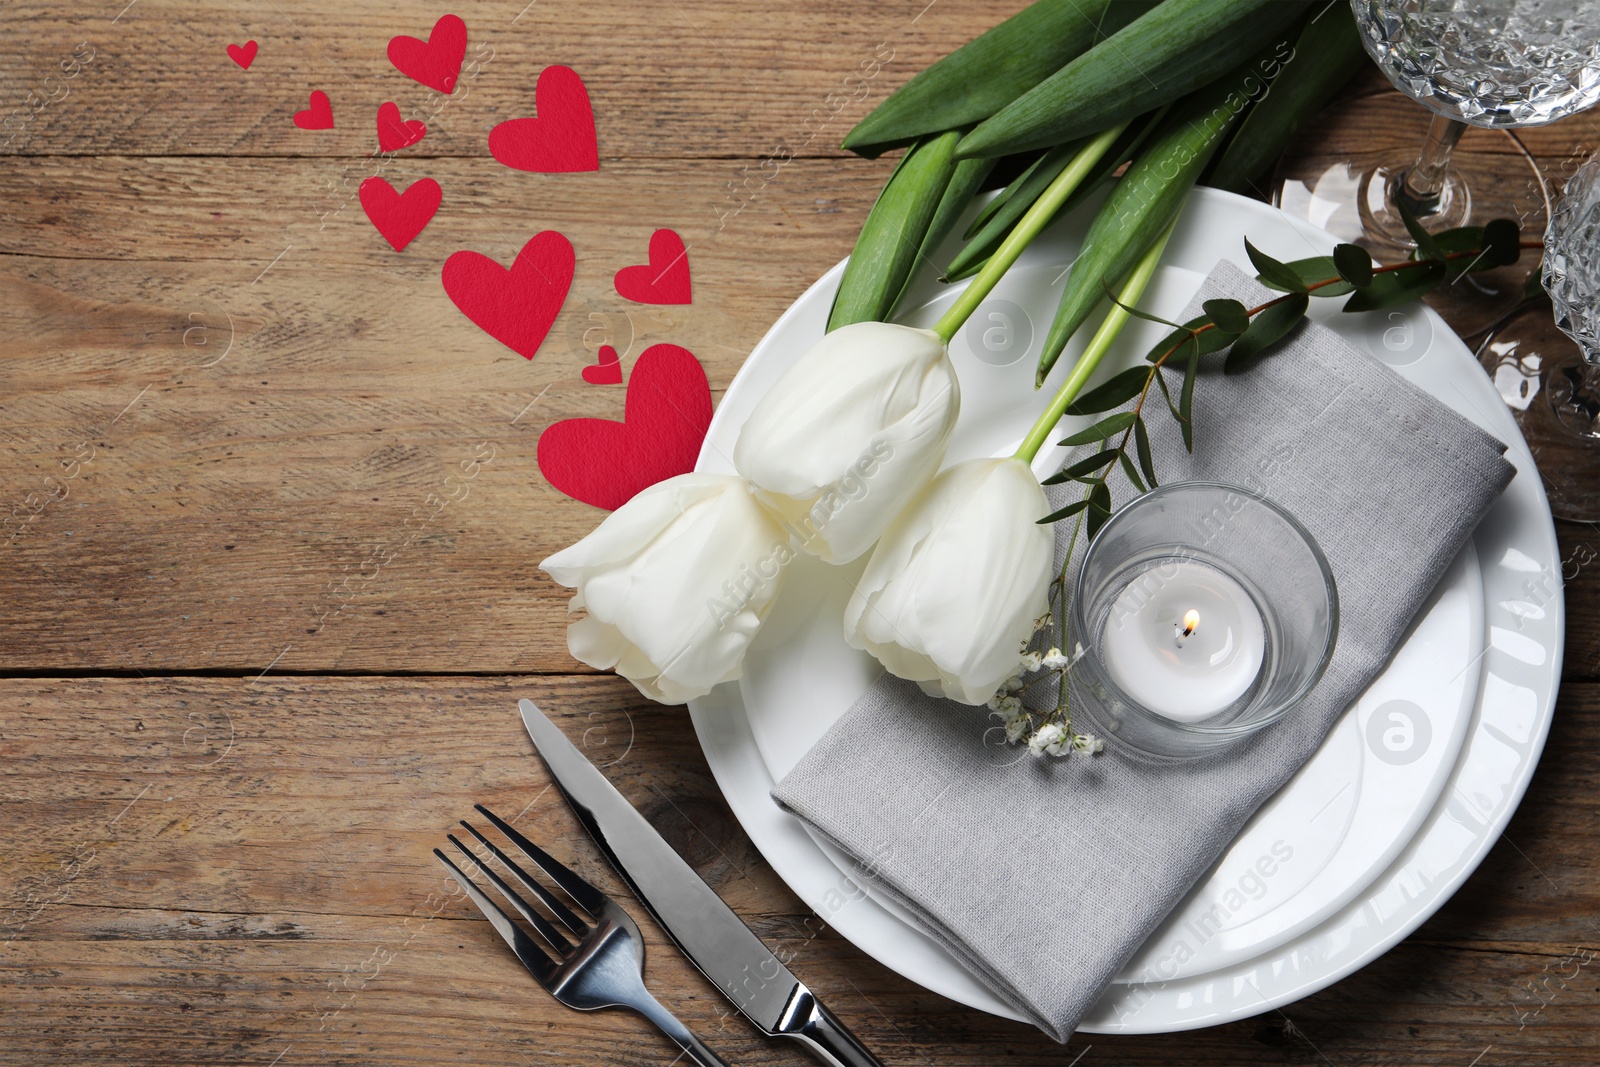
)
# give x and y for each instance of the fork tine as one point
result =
(562, 913)
(587, 896)
(532, 956)
(537, 921)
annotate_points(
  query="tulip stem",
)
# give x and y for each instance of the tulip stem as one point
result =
(1027, 228)
(1132, 289)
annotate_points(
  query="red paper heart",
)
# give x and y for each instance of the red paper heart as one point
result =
(608, 371)
(244, 56)
(400, 216)
(435, 62)
(664, 280)
(517, 306)
(319, 116)
(395, 134)
(666, 414)
(560, 138)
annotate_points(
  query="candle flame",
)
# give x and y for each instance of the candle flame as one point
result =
(1191, 622)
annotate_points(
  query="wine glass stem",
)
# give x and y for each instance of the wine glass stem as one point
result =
(1420, 190)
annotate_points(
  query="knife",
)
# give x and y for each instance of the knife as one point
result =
(716, 940)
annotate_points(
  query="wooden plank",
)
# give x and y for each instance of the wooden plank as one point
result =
(215, 871)
(692, 78)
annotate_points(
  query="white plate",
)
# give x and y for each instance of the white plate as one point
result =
(1401, 803)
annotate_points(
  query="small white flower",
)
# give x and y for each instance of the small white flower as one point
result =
(1031, 661)
(1013, 684)
(1055, 660)
(1046, 739)
(1015, 728)
(1089, 743)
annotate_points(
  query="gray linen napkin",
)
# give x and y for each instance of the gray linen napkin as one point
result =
(1044, 876)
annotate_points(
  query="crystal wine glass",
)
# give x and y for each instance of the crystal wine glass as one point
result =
(1494, 64)
(1552, 383)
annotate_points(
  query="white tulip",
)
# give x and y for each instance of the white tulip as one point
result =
(951, 593)
(675, 582)
(850, 433)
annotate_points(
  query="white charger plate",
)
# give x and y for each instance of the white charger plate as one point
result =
(1402, 801)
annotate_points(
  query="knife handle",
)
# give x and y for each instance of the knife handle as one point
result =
(824, 1035)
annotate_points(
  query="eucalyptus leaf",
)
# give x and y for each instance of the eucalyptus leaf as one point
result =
(1354, 264)
(1391, 288)
(1427, 247)
(1141, 440)
(1066, 512)
(1082, 468)
(1229, 315)
(1100, 431)
(1266, 330)
(1274, 272)
(1116, 391)
(1211, 340)
(1129, 470)
(1186, 400)
(1099, 507)
(1315, 271)
(1502, 241)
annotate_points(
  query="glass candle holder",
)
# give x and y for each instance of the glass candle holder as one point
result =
(1202, 613)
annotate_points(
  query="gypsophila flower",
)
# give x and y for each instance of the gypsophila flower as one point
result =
(1054, 660)
(1089, 744)
(1016, 727)
(1047, 738)
(1031, 661)
(1042, 621)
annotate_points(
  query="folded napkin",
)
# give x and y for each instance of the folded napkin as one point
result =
(1044, 876)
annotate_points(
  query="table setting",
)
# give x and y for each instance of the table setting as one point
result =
(1085, 568)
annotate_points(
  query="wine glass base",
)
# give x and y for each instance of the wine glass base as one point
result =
(1326, 179)
(1377, 193)
(1555, 398)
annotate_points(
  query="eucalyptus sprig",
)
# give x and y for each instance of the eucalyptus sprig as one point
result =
(1249, 334)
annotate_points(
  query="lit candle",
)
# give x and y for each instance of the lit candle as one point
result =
(1184, 640)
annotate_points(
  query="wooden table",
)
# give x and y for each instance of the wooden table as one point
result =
(260, 648)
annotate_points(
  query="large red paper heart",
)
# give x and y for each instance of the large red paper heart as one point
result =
(394, 133)
(560, 138)
(435, 62)
(244, 56)
(664, 280)
(400, 216)
(517, 306)
(319, 116)
(608, 371)
(665, 418)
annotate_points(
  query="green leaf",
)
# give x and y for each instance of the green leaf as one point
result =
(1099, 507)
(1211, 340)
(1118, 390)
(1186, 400)
(1268, 328)
(1274, 272)
(1141, 440)
(1397, 287)
(1082, 468)
(1502, 244)
(1354, 264)
(1066, 512)
(1128, 469)
(1102, 430)
(1315, 271)
(1166, 393)
(1229, 315)
(1427, 247)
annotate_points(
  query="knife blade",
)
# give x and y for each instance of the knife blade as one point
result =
(708, 932)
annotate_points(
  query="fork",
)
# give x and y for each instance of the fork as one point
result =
(597, 963)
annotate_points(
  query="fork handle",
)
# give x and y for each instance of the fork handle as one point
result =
(668, 1024)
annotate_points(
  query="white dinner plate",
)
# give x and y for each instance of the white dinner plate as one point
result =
(1406, 796)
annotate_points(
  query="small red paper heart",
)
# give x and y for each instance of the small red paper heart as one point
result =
(319, 116)
(664, 280)
(244, 56)
(561, 138)
(665, 418)
(517, 306)
(608, 371)
(400, 216)
(435, 62)
(395, 134)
